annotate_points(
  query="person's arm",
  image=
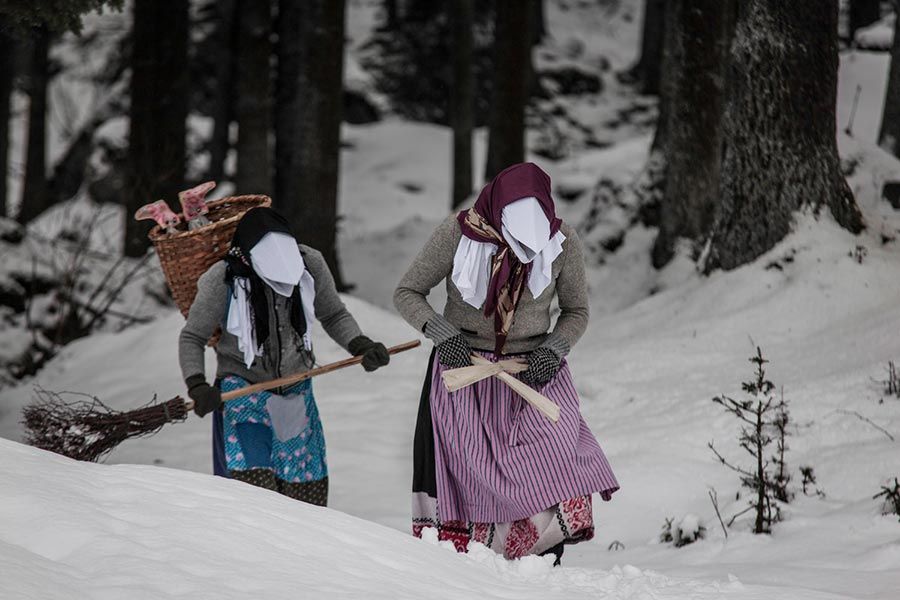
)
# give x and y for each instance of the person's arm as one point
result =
(572, 293)
(337, 321)
(206, 315)
(432, 265)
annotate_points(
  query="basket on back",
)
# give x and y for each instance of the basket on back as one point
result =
(186, 255)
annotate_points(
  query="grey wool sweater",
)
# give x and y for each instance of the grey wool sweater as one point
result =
(531, 325)
(283, 353)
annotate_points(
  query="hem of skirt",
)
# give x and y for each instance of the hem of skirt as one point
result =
(488, 515)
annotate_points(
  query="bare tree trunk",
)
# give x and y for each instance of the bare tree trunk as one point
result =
(7, 77)
(700, 42)
(512, 73)
(780, 140)
(35, 196)
(159, 106)
(291, 56)
(889, 136)
(665, 82)
(307, 193)
(462, 98)
(223, 109)
(392, 17)
(862, 13)
(539, 22)
(649, 67)
(253, 110)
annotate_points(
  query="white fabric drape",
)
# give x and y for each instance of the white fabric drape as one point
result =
(278, 262)
(527, 231)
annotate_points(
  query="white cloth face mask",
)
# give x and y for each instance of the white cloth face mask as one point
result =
(277, 260)
(525, 228)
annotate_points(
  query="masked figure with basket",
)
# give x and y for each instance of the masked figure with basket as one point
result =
(265, 297)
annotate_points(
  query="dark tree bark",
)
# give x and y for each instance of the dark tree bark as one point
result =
(291, 56)
(700, 41)
(223, 107)
(889, 136)
(7, 77)
(862, 13)
(159, 106)
(649, 67)
(512, 73)
(666, 78)
(308, 120)
(539, 22)
(462, 98)
(391, 16)
(780, 139)
(35, 196)
(253, 103)
(419, 11)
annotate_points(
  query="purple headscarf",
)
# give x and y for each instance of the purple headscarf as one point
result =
(483, 223)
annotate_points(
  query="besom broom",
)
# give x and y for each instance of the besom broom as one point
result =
(88, 429)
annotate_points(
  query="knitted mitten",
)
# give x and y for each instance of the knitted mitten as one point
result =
(543, 364)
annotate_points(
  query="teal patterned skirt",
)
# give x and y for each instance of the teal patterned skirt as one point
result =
(281, 433)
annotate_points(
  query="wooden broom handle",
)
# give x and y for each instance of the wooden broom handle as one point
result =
(298, 377)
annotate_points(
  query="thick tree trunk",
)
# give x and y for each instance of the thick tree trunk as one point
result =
(254, 110)
(462, 98)
(862, 13)
(512, 73)
(311, 58)
(665, 82)
(780, 141)
(539, 22)
(700, 42)
(391, 17)
(649, 67)
(291, 56)
(35, 196)
(420, 11)
(889, 136)
(159, 106)
(223, 103)
(7, 76)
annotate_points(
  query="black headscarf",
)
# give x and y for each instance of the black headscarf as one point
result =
(253, 226)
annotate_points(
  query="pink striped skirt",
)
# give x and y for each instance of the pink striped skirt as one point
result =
(498, 461)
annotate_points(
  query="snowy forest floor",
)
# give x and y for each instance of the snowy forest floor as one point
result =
(660, 345)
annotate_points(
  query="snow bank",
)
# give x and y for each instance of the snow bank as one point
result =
(81, 530)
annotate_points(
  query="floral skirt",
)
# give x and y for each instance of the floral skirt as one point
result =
(277, 433)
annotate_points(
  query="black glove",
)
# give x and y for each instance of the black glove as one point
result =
(374, 354)
(206, 397)
(543, 364)
(455, 352)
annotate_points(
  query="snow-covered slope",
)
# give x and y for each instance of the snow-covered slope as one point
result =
(79, 530)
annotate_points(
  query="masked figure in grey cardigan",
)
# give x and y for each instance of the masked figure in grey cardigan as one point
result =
(487, 466)
(265, 297)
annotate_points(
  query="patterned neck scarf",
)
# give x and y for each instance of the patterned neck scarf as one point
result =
(483, 222)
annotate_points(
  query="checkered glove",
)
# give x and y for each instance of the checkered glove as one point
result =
(543, 365)
(455, 352)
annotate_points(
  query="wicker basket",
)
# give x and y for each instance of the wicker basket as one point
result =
(186, 255)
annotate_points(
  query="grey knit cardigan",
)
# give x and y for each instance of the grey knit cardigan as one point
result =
(531, 325)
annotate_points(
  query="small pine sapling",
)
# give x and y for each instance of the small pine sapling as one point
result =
(666, 537)
(759, 415)
(782, 477)
(809, 482)
(892, 385)
(891, 495)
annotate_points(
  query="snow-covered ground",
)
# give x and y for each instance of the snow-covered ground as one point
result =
(152, 522)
